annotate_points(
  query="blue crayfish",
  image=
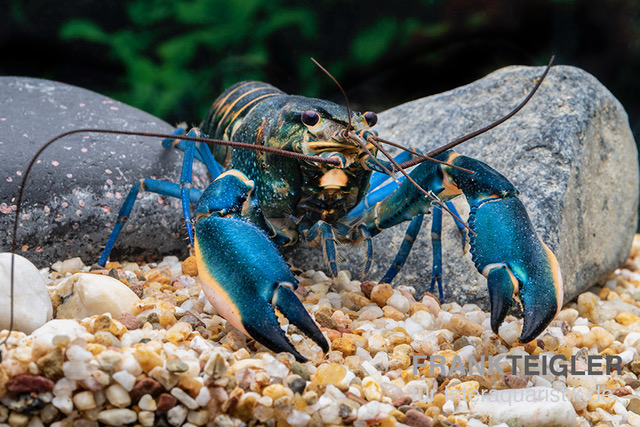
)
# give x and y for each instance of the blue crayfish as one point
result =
(289, 169)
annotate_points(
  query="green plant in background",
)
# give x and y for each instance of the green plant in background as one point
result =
(180, 53)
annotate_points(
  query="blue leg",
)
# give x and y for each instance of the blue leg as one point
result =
(181, 145)
(185, 182)
(461, 228)
(405, 249)
(436, 248)
(151, 185)
(202, 153)
(366, 236)
(327, 239)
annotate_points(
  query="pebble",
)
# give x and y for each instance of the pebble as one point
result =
(174, 375)
(541, 409)
(177, 415)
(415, 418)
(117, 417)
(86, 295)
(32, 306)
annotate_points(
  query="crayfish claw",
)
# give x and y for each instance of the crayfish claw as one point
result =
(501, 284)
(290, 306)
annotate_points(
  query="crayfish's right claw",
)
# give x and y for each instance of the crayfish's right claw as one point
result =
(262, 324)
(517, 264)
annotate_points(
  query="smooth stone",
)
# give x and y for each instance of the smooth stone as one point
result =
(117, 417)
(527, 407)
(87, 294)
(31, 305)
(58, 327)
(569, 151)
(74, 192)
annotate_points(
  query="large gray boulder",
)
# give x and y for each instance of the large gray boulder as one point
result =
(570, 152)
(75, 191)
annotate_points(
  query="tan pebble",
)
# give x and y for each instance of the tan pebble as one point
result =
(329, 373)
(397, 415)
(105, 323)
(381, 293)
(372, 390)
(417, 306)
(465, 327)
(190, 385)
(190, 267)
(600, 401)
(439, 399)
(550, 342)
(432, 411)
(377, 343)
(358, 339)
(324, 319)
(344, 345)
(354, 301)
(625, 318)
(155, 275)
(392, 313)
(147, 358)
(332, 334)
(276, 391)
(399, 361)
(408, 375)
(464, 391)
(603, 338)
(50, 364)
(179, 332)
(574, 339)
(588, 306)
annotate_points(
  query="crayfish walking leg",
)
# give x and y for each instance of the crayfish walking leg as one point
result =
(504, 245)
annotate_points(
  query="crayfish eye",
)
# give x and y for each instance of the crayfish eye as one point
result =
(310, 118)
(371, 118)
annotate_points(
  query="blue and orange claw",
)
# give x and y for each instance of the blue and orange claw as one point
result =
(243, 275)
(517, 264)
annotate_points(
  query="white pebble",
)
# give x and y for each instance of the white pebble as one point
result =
(184, 398)
(131, 365)
(118, 396)
(125, 379)
(87, 294)
(369, 410)
(203, 397)
(31, 304)
(84, 401)
(64, 404)
(298, 418)
(117, 417)
(147, 403)
(74, 370)
(146, 418)
(177, 415)
(79, 354)
(399, 301)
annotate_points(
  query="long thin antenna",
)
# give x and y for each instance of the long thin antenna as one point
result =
(498, 122)
(346, 100)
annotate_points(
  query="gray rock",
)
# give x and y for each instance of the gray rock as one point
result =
(570, 152)
(75, 191)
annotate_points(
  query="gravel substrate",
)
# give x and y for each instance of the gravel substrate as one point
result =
(174, 361)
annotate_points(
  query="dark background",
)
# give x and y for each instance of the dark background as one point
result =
(172, 58)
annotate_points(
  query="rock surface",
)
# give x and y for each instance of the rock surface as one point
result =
(32, 305)
(570, 152)
(75, 190)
